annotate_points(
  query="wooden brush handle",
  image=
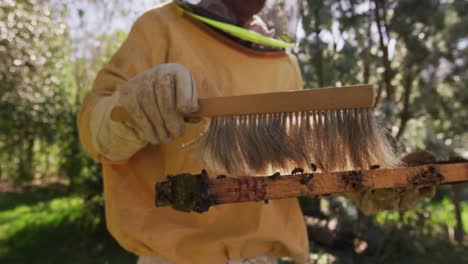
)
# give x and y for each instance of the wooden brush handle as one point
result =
(322, 99)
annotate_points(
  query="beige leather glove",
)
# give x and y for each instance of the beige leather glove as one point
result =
(155, 102)
(371, 202)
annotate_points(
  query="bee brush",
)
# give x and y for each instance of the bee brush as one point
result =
(333, 128)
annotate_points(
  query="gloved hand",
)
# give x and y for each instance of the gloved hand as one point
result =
(153, 104)
(371, 202)
(157, 100)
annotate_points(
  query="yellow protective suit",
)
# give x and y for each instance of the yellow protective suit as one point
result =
(220, 67)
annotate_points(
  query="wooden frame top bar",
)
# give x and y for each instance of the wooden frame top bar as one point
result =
(203, 192)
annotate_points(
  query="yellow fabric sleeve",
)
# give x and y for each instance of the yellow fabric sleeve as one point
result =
(133, 57)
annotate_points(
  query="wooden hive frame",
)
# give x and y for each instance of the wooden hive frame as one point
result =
(187, 192)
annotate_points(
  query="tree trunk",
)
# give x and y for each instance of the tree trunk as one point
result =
(387, 76)
(367, 70)
(311, 206)
(459, 232)
(405, 114)
(319, 60)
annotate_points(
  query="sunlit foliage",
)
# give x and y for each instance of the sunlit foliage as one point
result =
(34, 101)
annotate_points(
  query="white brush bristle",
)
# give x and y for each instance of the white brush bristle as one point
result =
(332, 140)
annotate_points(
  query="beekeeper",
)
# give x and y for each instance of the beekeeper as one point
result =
(174, 54)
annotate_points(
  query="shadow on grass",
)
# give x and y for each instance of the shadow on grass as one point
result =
(56, 230)
(397, 246)
(32, 195)
(391, 244)
(60, 244)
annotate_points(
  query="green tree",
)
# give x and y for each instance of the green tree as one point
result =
(413, 52)
(33, 94)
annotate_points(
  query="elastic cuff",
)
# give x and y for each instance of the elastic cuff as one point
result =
(115, 141)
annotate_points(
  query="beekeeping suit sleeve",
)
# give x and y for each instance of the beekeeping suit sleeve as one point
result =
(149, 96)
(401, 199)
(95, 111)
(155, 102)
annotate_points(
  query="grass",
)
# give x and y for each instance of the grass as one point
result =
(53, 228)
